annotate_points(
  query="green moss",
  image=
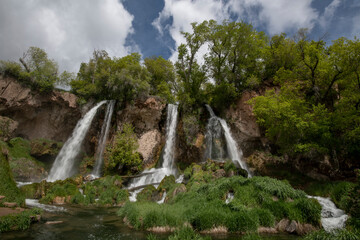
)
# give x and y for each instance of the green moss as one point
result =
(146, 193)
(166, 183)
(44, 147)
(8, 186)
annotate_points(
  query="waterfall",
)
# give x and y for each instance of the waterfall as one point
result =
(154, 176)
(103, 137)
(217, 128)
(64, 162)
(331, 217)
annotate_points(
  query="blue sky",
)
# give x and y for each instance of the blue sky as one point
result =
(70, 30)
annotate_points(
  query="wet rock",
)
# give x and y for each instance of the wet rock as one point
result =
(1, 197)
(219, 173)
(282, 225)
(53, 222)
(59, 200)
(291, 228)
(9, 204)
(267, 230)
(303, 229)
(179, 189)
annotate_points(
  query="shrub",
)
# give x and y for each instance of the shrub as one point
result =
(122, 154)
(19, 221)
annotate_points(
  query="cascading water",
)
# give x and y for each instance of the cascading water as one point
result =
(103, 137)
(64, 162)
(331, 217)
(216, 128)
(154, 176)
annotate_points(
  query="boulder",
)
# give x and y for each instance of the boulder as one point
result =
(59, 200)
(282, 225)
(291, 228)
(219, 173)
(179, 189)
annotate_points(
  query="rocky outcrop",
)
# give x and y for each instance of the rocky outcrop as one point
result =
(147, 116)
(243, 124)
(7, 128)
(149, 144)
(52, 115)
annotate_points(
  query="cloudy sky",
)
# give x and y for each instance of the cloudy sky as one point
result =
(69, 30)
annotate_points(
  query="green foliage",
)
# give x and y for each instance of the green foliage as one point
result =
(163, 79)
(122, 156)
(19, 221)
(204, 207)
(36, 70)
(122, 79)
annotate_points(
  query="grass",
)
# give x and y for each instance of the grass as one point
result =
(258, 201)
(342, 234)
(19, 221)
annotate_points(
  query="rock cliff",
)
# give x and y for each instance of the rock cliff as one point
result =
(50, 116)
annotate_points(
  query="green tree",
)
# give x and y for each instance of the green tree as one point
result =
(192, 75)
(42, 70)
(122, 156)
(163, 79)
(122, 79)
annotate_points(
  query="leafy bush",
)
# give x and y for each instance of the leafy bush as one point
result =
(122, 156)
(19, 221)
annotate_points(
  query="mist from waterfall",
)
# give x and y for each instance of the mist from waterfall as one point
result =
(155, 175)
(65, 160)
(99, 156)
(217, 129)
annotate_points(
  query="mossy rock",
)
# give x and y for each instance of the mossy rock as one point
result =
(44, 149)
(8, 186)
(166, 183)
(32, 191)
(146, 194)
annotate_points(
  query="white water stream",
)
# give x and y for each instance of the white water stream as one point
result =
(155, 175)
(214, 132)
(331, 217)
(103, 138)
(45, 207)
(64, 162)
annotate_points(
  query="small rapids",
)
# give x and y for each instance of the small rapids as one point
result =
(45, 207)
(331, 217)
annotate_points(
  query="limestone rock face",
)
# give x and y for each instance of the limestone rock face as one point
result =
(148, 117)
(52, 115)
(149, 143)
(145, 115)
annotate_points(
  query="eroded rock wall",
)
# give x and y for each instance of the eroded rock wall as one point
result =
(51, 116)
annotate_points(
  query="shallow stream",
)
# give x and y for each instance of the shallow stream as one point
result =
(80, 223)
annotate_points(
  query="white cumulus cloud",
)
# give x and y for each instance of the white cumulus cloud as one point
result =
(275, 16)
(68, 30)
